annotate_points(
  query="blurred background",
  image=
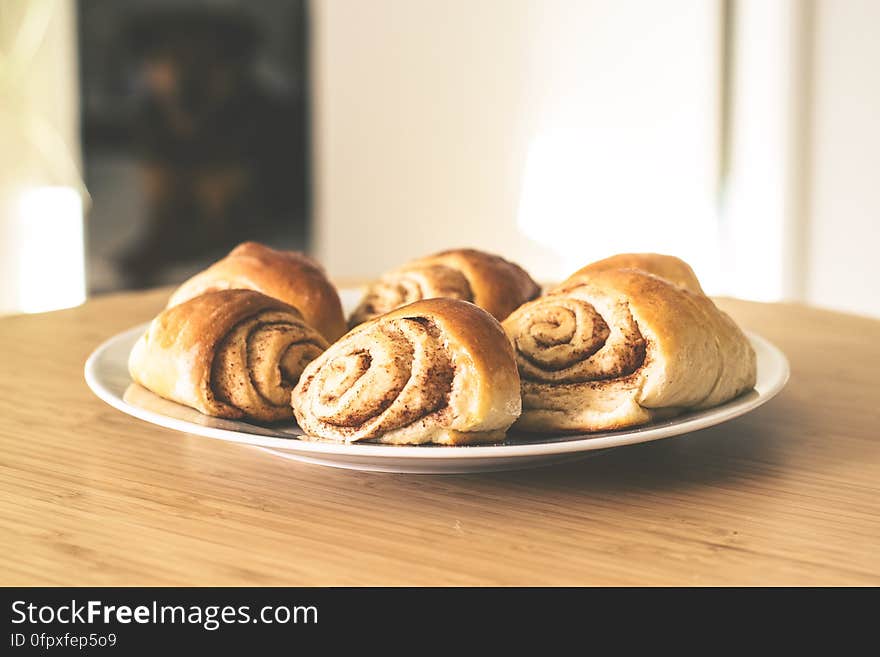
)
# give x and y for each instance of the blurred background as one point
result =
(139, 140)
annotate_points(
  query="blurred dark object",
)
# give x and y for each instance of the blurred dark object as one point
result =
(195, 133)
(222, 158)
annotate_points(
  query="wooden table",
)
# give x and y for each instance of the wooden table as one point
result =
(789, 494)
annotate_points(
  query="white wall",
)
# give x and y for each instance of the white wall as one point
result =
(561, 131)
(843, 256)
(553, 132)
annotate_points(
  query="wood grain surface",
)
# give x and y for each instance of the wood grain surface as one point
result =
(789, 494)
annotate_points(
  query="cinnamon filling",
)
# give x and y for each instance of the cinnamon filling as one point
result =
(566, 340)
(410, 285)
(385, 378)
(257, 364)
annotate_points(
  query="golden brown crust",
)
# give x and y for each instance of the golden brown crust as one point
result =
(229, 353)
(438, 370)
(489, 281)
(621, 348)
(289, 276)
(673, 269)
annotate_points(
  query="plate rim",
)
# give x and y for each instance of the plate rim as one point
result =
(578, 443)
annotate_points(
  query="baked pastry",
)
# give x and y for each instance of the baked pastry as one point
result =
(435, 371)
(489, 281)
(623, 347)
(674, 270)
(292, 277)
(230, 353)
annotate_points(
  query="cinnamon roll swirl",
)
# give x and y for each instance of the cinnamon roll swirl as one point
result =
(289, 276)
(230, 353)
(486, 280)
(435, 371)
(622, 347)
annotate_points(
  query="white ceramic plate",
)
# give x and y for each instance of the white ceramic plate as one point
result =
(106, 373)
